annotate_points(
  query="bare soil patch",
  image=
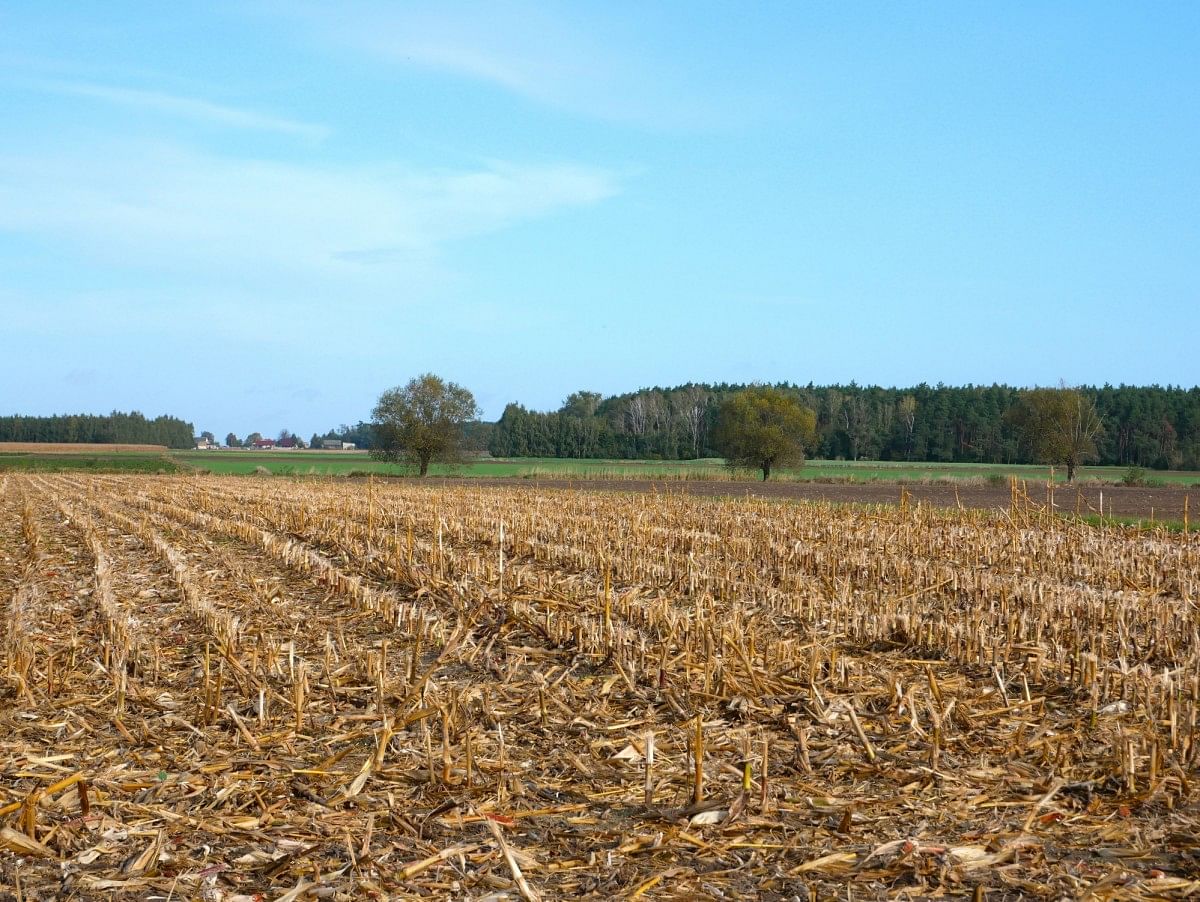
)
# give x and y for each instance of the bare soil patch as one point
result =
(1164, 503)
(74, 448)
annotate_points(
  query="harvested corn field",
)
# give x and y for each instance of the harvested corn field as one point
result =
(231, 689)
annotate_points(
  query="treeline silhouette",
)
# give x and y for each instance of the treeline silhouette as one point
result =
(1149, 426)
(115, 428)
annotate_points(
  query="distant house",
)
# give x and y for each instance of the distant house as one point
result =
(263, 443)
(203, 444)
(289, 442)
(334, 444)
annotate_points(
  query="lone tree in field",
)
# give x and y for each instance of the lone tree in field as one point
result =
(1060, 426)
(422, 421)
(761, 428)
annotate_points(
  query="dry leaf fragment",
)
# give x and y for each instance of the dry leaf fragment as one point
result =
(971, 857)
(824, 804)
(21, 844)
(629, 753)
(296, 892)
(835, 863)
(136, 864)
(87, 856)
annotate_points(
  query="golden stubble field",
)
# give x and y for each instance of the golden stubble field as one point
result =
(263, 689)
(75, 448)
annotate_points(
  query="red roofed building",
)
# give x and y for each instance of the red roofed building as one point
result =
(264, 443)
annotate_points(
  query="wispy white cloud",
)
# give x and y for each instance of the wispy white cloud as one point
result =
(544, 60)
(590, 63)
(185, 108)
(162, 206)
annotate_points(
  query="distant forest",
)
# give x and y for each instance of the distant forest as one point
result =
(1143, 426)
(1152, 426)
(116, 428)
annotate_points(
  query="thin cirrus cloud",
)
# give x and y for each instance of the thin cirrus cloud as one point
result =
(162, 206)
(592, 65)
(191, 108)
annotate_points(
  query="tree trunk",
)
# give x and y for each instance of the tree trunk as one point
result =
(1070, 471)
(423, 462)
(766, 468)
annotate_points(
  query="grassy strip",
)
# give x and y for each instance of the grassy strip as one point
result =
(92, 463)
(1140, 523)
(334, 463)
(342, 463)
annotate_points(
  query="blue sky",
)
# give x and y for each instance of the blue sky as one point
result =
(260, 215)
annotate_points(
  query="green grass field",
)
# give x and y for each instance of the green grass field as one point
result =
(347, 463)
(116, 462)
(343, 463)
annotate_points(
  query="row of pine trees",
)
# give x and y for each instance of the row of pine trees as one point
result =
(115, 428)
(1150, 426)
(1146, 426)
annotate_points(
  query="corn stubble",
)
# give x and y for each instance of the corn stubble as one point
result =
(224, 689)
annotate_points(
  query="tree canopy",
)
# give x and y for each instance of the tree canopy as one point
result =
(422, 421)
(1060, 426)
(762, 428)
(1147, 426)
(115, 428)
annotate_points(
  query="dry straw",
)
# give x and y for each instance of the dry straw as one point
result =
(234, 689)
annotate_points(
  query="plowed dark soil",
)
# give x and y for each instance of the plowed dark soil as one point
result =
(1165, 503)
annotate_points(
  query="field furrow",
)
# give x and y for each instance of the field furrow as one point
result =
(355, 690)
